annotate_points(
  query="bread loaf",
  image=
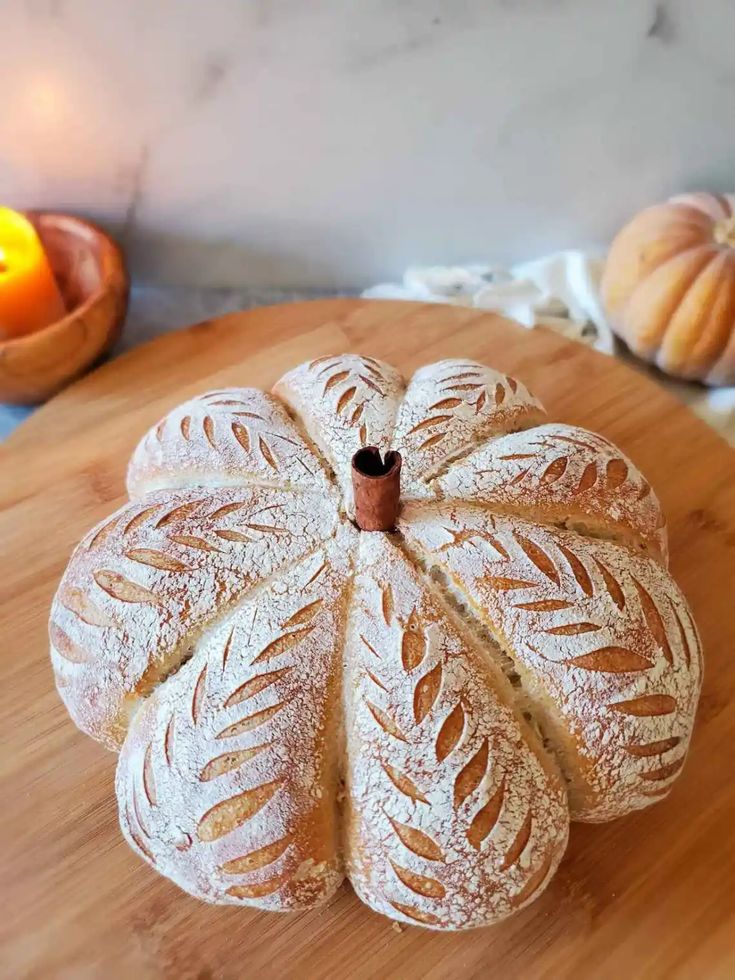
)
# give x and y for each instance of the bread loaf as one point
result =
(422, 710)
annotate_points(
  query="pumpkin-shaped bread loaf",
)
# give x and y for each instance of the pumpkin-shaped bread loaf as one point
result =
(669, 286)
(421, 710)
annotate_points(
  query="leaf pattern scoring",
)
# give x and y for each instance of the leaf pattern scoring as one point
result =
(553, 602)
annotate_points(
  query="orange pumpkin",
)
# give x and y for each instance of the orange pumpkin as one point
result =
(669, 286)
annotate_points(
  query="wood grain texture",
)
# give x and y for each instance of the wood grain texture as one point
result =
(646, 896)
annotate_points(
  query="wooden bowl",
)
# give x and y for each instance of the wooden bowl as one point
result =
(93, 280)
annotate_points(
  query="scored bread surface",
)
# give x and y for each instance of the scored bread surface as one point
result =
(455, 818)
(421, 712)
(142, 585)
(242, 746)
(231, 436)
(564, 475)
(601, 640)
(449, 408)
(345, 403)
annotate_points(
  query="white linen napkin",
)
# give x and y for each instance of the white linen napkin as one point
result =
(560, 291)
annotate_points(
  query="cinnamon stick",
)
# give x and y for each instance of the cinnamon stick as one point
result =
(377, 488)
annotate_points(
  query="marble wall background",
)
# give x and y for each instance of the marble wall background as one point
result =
(332, 142)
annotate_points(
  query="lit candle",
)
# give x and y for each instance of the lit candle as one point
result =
(29, 296)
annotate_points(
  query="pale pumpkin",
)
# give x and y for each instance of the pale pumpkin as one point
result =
(669, 286)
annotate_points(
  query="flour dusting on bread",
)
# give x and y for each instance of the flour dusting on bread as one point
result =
(422, 711)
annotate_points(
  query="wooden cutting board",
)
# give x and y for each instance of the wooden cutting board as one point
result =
(652, 895)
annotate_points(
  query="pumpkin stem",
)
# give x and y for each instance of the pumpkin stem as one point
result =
(724, 231)
(376, 484)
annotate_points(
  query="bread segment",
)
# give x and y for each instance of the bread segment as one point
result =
(345, 402)
(141, 587)
(422, 710)
(451, 407)
(601, 640)
(561, 474)
(227, 781)
(229, 437)
(455, 817)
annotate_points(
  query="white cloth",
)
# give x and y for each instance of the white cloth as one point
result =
(560, 291)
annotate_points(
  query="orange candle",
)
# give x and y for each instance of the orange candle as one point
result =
(29, 296)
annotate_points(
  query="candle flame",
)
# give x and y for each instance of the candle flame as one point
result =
(3, 261)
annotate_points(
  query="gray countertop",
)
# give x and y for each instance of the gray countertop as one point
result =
(155, 310)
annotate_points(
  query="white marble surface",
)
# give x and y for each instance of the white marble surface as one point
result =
(323, 142)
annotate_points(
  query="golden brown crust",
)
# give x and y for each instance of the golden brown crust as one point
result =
(227, 781)
(602, 641)
(229, 437)
(204, 627)
(450, 408)
(564, 475)
(345, 403)
(142, 586)
(455, 816)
